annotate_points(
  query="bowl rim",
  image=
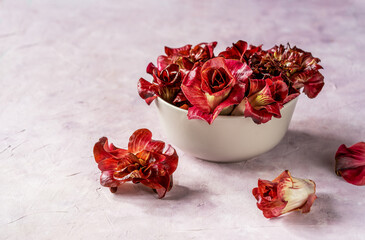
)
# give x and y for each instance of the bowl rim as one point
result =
(293, 101)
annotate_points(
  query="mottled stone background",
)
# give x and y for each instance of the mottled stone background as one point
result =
(68, 74)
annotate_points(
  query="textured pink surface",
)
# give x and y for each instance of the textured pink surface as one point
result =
(68, 75)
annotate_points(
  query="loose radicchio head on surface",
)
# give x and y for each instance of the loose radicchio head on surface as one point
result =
(143, 162)
(242, 80)
(284, 194)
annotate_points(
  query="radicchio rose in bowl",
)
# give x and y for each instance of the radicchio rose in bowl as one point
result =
(215, 86)
(231, 106)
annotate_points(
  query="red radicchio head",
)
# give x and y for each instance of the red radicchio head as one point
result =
(350, 163)
(264, 100)
(213, 86)
(166, 83)
(144, 162)
(284, 194)
(239, 51)
(186, 56)
(298, 68)
(175, 56)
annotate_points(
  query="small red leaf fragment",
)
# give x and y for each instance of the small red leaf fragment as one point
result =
(350, 163)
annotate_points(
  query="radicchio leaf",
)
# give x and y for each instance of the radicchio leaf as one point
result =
(214, 86)
(350, 163)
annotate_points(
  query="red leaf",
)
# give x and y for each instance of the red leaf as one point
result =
(155, 146)
(191, 88)
(292, 94)
(99, 151)
(174, 56)
(107, 179)
(150, 68)
(108, 164)
(196, 113)
(237, 51)
(147, 90)
(311, 80)
(279, 90)
(258, 116)
(182, 51)
(139, 140)
(125, 161)
(240, 71)
(256, 85)
(163, 62)
(170, 161)
(350, 163)
(181, 100)
(102, 150)
(235, 97)
(202, 52)
(314, 85)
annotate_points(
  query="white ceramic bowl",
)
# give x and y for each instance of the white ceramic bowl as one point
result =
(228, 138)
